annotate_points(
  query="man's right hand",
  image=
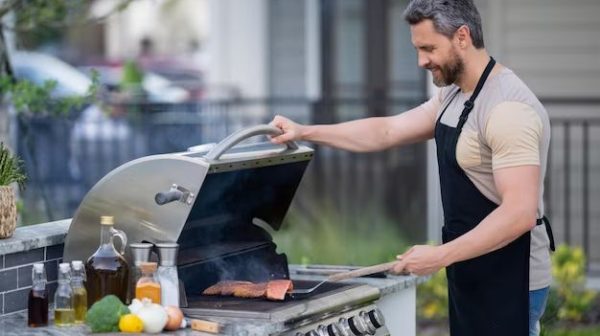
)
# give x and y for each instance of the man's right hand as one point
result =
(291, 131)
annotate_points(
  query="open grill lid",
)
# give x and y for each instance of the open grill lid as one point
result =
(206, 201)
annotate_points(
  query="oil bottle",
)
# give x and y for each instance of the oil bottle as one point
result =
(107, 271)
(79, 291)
(64, 314)
(37, 310)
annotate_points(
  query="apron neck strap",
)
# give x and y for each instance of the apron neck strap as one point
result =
(470, 103)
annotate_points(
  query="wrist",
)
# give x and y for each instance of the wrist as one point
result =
(447, 255)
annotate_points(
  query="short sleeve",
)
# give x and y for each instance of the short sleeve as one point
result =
(513, 132)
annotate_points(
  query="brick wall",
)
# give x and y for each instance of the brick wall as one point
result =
(15, 275)
(28, 245)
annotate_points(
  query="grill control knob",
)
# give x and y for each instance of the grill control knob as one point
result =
(322, 331)
(334, 330)
(312, 333)
(376, 318)
(343, 327)
(370, 326)
(357, 326)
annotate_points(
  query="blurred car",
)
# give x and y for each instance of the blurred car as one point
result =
(92, 124)
(38, 68)
(156, 88)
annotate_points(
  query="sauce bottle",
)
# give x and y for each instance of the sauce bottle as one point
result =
(37, 308)
(107, 271)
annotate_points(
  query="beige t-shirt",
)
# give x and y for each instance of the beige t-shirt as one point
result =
(508, 127)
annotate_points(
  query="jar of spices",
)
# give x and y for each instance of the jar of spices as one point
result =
(148, 286)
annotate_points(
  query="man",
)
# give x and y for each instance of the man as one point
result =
(492, 136)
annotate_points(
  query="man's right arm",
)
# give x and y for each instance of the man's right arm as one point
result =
(369, 134)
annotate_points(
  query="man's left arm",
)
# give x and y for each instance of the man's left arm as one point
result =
(514, 140)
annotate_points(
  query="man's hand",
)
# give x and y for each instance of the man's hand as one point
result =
(420, 260)
(291, 130)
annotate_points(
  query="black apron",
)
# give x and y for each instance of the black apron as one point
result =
(488, 295)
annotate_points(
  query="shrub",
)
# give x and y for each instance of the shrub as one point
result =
(568, 269)
(432, 297)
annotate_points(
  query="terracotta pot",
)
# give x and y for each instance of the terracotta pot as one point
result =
(8, 212)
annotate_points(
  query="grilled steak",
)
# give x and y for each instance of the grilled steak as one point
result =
(276, 289)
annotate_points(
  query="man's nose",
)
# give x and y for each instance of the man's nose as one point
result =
(423, 60)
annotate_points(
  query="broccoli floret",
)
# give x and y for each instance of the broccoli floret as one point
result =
(104, 315)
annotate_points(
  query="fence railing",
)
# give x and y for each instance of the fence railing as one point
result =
(573, 175)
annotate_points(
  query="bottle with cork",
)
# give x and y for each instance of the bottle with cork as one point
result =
(37, 310)
(64, 312)
(148, 286)
(79, 292)
(107, 271)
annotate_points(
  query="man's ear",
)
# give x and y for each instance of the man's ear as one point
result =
(463, 36)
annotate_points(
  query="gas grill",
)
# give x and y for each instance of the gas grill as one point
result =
(215, 202)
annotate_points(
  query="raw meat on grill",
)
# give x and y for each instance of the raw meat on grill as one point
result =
(276, 289)
(225, 287)
(272, 290)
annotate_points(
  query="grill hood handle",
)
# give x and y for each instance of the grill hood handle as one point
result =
(243, 134)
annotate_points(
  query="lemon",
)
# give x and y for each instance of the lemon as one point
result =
(130, 323)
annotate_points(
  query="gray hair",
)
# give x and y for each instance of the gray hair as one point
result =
(447, 16)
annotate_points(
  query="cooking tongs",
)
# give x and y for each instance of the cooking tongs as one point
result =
(304, 292)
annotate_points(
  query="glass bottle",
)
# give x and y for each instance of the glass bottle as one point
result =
(107, 271)
(140, 252)
(64, 314)
(167, 274)
(79, 291)
(148, 286)
(37, 308)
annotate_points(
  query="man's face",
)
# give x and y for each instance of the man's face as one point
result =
(437, 53)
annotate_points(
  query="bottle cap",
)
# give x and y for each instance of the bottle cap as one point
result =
(107, 220)
(77, 264)
(64, 267)
(148, 266)
(38, 267)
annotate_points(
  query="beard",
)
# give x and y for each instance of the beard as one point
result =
(449, 73)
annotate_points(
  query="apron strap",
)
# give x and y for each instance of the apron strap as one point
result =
(470, 103)
(544, 220)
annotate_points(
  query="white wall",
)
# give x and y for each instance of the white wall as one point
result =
(238, 46)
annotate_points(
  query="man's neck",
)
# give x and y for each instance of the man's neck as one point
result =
(474, 66)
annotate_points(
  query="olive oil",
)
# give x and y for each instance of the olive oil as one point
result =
(107, 271)
(64, 314)
(64, 317)
(79, 291)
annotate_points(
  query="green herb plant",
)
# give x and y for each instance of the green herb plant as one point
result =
(11, 168)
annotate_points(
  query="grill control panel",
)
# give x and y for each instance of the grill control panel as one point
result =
(359, 322)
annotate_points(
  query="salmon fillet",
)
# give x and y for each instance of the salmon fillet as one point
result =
(250, 290)
(276, 289)
(273, 290)
(225, 287)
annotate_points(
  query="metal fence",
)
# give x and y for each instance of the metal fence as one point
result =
(66, 156)
(573, 175)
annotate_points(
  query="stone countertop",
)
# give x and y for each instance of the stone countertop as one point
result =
(16, 324)
(30, 237)
(387, 284)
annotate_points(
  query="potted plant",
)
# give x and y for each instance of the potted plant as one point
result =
(11, 171)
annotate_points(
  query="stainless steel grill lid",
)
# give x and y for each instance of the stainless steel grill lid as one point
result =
(204, 200)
